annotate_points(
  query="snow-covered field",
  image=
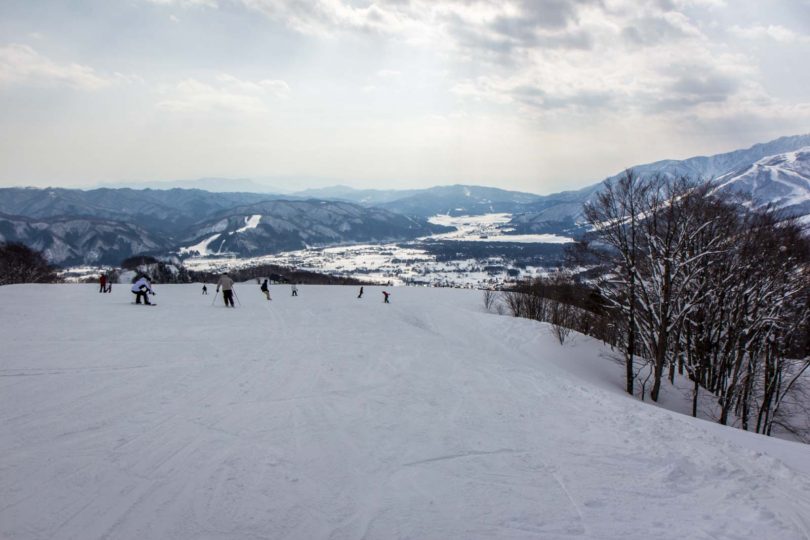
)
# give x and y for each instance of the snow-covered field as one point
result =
(327, 416)
(490, 228)
(396, 263)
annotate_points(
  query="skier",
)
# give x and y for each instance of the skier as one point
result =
(386, 295)
(109, 286)
(205, 288)
(361, 293)
(294, 289)
(102, 282)
(141, 288)
(227, 289)
(265, 289)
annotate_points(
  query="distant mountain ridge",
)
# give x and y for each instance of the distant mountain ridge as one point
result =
(457, 199)
(164, 210)
(563, 211)
(272, 226)
(104, 225)
(212, 184)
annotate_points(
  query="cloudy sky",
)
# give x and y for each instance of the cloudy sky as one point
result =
(535, 95)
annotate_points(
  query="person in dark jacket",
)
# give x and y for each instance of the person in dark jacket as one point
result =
(205, 288)
(102, 283)
(361, 293)
(266, 289)
(386, 295)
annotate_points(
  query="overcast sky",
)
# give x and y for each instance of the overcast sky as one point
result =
(535, 95)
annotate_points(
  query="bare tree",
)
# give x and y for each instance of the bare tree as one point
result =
(489, 299)
(615, 216)
(560, 318)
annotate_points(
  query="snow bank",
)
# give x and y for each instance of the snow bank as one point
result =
(328, 416)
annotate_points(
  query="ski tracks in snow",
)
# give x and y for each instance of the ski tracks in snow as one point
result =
(325, 416)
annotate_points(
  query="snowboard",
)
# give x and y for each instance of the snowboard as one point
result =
(136, 304)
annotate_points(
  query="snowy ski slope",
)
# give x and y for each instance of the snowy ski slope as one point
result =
(328, 417)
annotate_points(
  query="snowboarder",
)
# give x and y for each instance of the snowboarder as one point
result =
(266, 289)
(205, 288)
(227, 289)
(109, 286)
(386, 295)
(102, 282)
(361, 293)
(294, 289)
(141, 288)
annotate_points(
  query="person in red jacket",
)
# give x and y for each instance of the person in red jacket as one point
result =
(102, 282)
(386, 295)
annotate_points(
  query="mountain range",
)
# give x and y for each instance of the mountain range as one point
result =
(73, 226)
(272, 226)
(104, 226)
(565, 209)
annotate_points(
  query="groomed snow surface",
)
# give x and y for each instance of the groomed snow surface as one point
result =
(328, 417)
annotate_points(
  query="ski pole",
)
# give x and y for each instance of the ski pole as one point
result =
(237, 298)
(215, 297)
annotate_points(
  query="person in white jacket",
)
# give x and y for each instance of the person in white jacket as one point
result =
(226, 283)
(141, 288)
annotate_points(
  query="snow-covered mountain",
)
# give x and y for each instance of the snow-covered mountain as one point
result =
(165, 211)
(73, 241)
(325, 416)
(195, 221)
(781, 181)
(360, 196)
(454, 200)
(107, 225)
(460, 200)
(561, 213)
(288, 225)
(564, 210)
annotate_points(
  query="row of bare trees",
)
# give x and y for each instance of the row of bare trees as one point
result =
(557, 299)
(703, 287)
(21, 264)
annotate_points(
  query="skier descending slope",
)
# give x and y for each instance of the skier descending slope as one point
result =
(226, 283)
(141, 288)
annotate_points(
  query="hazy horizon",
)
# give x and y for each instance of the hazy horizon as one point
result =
(537, 96)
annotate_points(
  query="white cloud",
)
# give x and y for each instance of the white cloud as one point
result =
(389, 74)
(774, 32)
(541, 57)
(325, 18)
(226, 93)
(185, 3)
(22, 65)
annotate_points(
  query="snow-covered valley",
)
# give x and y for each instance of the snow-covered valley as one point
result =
(414, 261)
(329, 416)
